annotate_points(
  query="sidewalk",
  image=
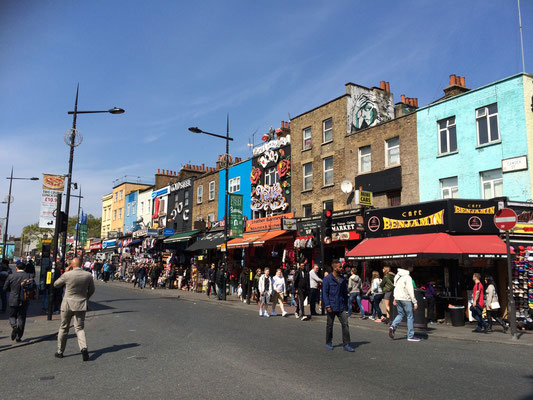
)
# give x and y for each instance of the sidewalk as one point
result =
(525, 338)
(37, 328)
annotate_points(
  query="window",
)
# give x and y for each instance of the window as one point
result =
(120, 213)
(327, 205)
(211, 190)
(235, 184)
(121, 194)
(328, 171)
(394, 198)
(327, 128)
(392, 149)
(447, 136)
(307, 138)
(116, 197)
(133, 208)
(128, 211)
(186, 198)
(365, 161)
(492, 183)
(142, 207)
(149, 206)
(308, 176)
(200, 194)
(307, 210)
(163, 206)
(487, 124)
(211, 218)
(449, 188)
(271, 176)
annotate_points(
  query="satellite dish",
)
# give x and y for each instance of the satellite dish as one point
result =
(346, 187)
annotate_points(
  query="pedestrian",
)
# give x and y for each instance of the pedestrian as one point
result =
(292, 289)
(335, 294)
(405, 302)
(477, 305)
(244, 280)
(430, 295)
(18, 302)
(107, 271)
(5, 271)
(79, 287)
(355, 285)
(211, 274)
(376, 294)
(278, 292)
(141, 276)
(30, 267)
(172, 276)
(301, 285)
(256, 284)
(154, 276)
(493, 305)
(180, 274)
(220, 280)
(265, 292)
(387, 285)
(314, 288)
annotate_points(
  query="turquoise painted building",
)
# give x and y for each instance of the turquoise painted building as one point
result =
(239, 183)
(474, 144)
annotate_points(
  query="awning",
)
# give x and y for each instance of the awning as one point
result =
(431, 245)
(210, 241)
(134, 242)
(259, 238)
(108, 250)
(280, 235)
(181, 237)
(246, 240)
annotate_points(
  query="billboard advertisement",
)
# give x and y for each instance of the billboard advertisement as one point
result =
(52, 185)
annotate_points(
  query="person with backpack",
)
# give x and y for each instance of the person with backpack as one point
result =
(22, 288)
(5, 271)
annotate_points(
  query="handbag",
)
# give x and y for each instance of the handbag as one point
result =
(495, 305)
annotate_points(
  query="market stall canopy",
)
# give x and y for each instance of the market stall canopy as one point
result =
(181, 237)
(210, 241)
(259, 238)
(280, 235)
(431, 245)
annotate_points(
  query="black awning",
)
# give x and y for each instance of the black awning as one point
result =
(209, 241)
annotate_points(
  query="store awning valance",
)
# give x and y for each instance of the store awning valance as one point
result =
(259, 238)
(181, 237)
(134, 242)
(431, 245)
(246, 240)
(210, 241)
(279, 235)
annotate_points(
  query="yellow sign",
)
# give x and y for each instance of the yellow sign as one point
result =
(46, 241)
(363, 198)
(462, 210)
(223, 247)
(430, 220)
(49, 277)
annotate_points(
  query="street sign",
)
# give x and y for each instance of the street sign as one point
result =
(505, 219)
(363, 198)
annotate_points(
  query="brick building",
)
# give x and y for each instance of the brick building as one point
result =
(205, 198)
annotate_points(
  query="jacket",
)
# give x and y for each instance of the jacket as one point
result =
(262, 284)
(387, 283)
(12, 285)
(301, 280)
(335, 293)
(354, 284)
(220, 277)
(403, 287)
(4, 273)
(492, 296)
(79, 287)
(314, 279)
(211, 274)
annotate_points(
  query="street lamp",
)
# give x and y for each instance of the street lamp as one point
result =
(227, 138)
(9, 201)
(72, 143)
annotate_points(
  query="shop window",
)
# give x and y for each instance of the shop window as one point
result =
(328, 171)
(307, 210)
(327, 129)
(492, 183)
(308, 176)
(392, 151)
(487, 124)
(235, 184)
(449, 188)
(307, 138)
(200, 194)
(271, 176)
(211, 190)
(394, 198)
(447, 136)
(327, 205)
(186, 198)
(365, 159)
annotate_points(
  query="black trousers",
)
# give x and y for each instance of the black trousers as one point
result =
(431, 308)
(313, 294)
(17, 317)
(343, 319)
(494, 314)
(302, 295)
(209, 286)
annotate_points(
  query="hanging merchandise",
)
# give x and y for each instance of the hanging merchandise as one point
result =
(523, 286)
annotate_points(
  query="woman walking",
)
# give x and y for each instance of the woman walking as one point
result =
(492, 304)
(377, 295)
(387, 285)
(354, 288)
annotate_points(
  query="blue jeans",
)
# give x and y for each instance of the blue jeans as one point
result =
(355, 295)
(142, 282)
(405, 307)
(477, 313)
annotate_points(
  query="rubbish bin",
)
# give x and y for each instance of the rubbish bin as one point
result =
(457, 315)
(419, 314)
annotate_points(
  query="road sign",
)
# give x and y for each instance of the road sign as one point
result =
(505, 219)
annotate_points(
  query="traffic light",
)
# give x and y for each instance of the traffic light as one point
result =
(327, 217)
(63, 222)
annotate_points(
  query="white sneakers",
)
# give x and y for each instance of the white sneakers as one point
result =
(284, 314)
(260, 313)
(266, 315)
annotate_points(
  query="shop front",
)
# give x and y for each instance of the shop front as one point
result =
(204, 250)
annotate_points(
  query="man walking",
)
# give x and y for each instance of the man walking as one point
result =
(211, 280)
(265, 291)
(477, 305)
(79, 288)
(335, 294)
(5, 271)
(301, 285)
(314, 281)
(18, 305)
(405, 301)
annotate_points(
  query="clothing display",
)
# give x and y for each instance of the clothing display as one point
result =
(523, 284)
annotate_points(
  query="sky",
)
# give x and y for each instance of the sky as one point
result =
(176, 64)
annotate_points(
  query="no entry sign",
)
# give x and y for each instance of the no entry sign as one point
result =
(505, 219)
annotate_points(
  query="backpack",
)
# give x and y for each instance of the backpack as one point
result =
(28, 290)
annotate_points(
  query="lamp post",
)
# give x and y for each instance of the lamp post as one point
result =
(11, 177)
(226, 219)
(72, 143)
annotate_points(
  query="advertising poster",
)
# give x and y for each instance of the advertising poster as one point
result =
(52, 185)
(235, 215)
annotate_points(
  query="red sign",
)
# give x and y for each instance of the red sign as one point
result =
(505, 219)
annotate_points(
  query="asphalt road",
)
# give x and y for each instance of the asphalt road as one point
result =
(145, 346)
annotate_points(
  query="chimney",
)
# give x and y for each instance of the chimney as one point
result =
(158, 170)
(403, 98)
(383, 86)
(387, 87)
(456, 86)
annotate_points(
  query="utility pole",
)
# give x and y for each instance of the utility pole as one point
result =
(54, 258)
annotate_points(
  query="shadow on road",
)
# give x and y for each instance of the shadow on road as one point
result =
(113, 300)
(355, 345)
(98, 306)
(530, 395)
(112, 349)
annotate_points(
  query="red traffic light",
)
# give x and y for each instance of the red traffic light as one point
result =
(329, 213)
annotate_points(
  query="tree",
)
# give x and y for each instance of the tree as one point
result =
(34, 233)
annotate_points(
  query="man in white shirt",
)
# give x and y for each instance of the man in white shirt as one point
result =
(314, 281)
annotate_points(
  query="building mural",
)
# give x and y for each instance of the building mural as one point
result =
(367, 107)
(180, 206)
(271, 174)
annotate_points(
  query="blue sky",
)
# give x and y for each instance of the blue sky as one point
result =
(175, 64)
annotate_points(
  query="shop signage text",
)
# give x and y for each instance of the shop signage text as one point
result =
(514, 164)
(159, 192)
(272, 144)
(268, 197)
(363, 198)
(181, 185)
(235, 215)
(268, 223)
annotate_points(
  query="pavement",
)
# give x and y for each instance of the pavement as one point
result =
(154, 344)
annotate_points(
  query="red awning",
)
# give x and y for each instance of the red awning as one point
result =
(435, 245)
